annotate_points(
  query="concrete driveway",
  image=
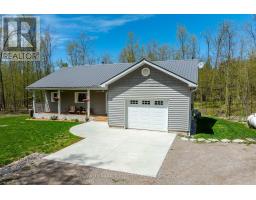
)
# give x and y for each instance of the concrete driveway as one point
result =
(125, 150)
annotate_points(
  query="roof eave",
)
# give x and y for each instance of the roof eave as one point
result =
(67, 88)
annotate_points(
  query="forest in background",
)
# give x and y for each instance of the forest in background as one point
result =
(227, 82)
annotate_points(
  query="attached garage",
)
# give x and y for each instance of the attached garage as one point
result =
(150, 97)
(149, 114)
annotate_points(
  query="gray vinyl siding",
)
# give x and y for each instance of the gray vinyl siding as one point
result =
(98, 102)
(50, 106)
(157, 85)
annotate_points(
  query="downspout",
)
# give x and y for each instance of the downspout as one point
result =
(199, 65)
(190, 108)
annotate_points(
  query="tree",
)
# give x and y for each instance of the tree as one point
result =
(166, 52)
(244, 87)
(84, 49)
(208, 41)
(79, 51)
(218, 44)
(61, 64)
(194, 48)
(228, 55)
(251, 30)
(152, 51)
(2, 89)
(132, 51)
(2, 97)
(72, 51)
(182, 37)
(106, 59)
(46, 52)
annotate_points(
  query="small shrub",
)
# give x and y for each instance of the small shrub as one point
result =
(54, 117)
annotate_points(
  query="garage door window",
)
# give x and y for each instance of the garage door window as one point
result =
(133, 101)
(145, 102)
(159, 103)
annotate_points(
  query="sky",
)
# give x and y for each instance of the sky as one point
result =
(109, 33)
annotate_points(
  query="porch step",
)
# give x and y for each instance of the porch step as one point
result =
(100, 118)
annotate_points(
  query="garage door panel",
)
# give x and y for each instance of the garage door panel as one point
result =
(149, 116)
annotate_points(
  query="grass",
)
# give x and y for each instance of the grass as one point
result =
(211, 127)
(20, 137)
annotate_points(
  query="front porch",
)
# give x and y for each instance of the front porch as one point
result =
(79, 105)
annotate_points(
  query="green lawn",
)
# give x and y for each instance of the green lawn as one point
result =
(20, 137)
(210, 127)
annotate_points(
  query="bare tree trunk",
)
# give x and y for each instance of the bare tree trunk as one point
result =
(13, 86)
(2, 97)
(227, 93)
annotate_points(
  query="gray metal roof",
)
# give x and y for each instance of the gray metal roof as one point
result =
(95, 75)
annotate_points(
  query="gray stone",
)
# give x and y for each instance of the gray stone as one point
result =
(225, 140)
(213, 140)
(250, 139)
(184, 138)
(200, 140)
(208, 141)
(238, 141)
(19, 164)
(192, 139)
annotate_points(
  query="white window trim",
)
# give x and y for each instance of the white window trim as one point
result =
(52, 97)
(76, 96)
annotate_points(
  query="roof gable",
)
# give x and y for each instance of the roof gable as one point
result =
(155, 65)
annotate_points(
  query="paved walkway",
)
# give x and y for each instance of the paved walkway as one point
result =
(134, 151)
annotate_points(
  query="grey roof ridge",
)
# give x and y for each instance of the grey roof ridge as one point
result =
(132, 63)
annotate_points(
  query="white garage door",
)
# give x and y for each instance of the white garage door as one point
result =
(147, 114)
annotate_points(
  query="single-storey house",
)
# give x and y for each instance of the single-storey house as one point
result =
(152, 95)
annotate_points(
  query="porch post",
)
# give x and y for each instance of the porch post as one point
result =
(59, 103)
(46, 103)
(106, 101)
(34, 101)
(88, 104)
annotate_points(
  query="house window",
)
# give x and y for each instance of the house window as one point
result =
(145, 102)
(133, 101)
(159, 103)
(54, 96)
(80, 97)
